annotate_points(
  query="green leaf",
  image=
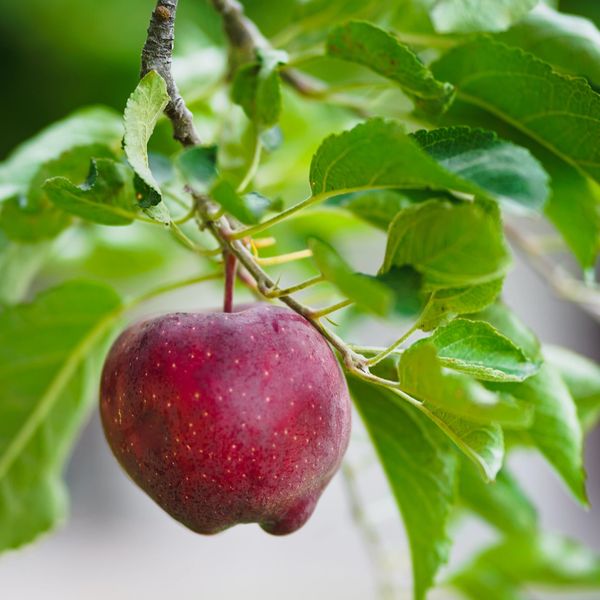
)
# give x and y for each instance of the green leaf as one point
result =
(19, 264)
(569, 43)
(449, 303)
(528, 558)
(144, 107)
(96, 125)
(559, 112)
(248, 209)
(421, 375)
(421, 470)
(383, 53)
(481, 443)
(582, 377)
(257, 89)
(507, 172)
(501, 503)
(378, 154)
(367, 292)
(479, 350)
(555, 431)
(452, 245)
(377, 207)
(464, 16)
(405, 284)
(45, 385)
(199, 166)
(508, 324)
(574, 209)
(33, 217)
(107, 197)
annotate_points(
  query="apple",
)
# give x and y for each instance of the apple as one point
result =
(227, 418)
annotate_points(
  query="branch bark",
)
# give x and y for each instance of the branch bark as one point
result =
(157, 55)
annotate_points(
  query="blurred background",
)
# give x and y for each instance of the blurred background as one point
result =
(58, 55)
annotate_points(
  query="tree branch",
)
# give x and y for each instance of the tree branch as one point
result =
(157, 55)
(566, 286)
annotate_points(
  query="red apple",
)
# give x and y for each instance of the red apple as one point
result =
(226, 418)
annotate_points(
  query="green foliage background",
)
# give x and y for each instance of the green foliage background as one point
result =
(442, 413)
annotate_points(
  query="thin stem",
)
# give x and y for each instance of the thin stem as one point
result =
(278, 293)
(390, 349)
(265, 242)
(283, 259)
(564, 284)
(292, 210)
(369, 532)
(372, 350)
(187, 217)
(318, 314)
(184, 240)
(306, 56)
(253, 166)
(230, 273)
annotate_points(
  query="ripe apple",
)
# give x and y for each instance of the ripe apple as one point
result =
(226, 418)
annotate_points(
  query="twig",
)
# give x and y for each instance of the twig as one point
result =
(157, 55)
(369, 533)
(565, 285)
(244, 36)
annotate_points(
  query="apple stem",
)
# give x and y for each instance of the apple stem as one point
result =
(230, 274)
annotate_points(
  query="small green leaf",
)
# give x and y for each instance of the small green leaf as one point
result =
(555, 431)
(380, 51)
(465, 16)
(501, 503)
(257, 89)
(528, 558)
(479, 350)
(507, 172)
(482, 444)
(144, 108)
(421, 375)
(199, 166)
(107, 197)
(562, 113)
(449, 303)
(582, 377)
(421, 470)
(367, 292)
(97, 125)
(569, 43)
(46, 385)
(33, 217)
(452, 245)
(247, 209)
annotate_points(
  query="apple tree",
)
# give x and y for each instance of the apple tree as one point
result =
(338, 164)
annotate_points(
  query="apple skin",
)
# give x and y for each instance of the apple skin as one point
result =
(227, 418)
